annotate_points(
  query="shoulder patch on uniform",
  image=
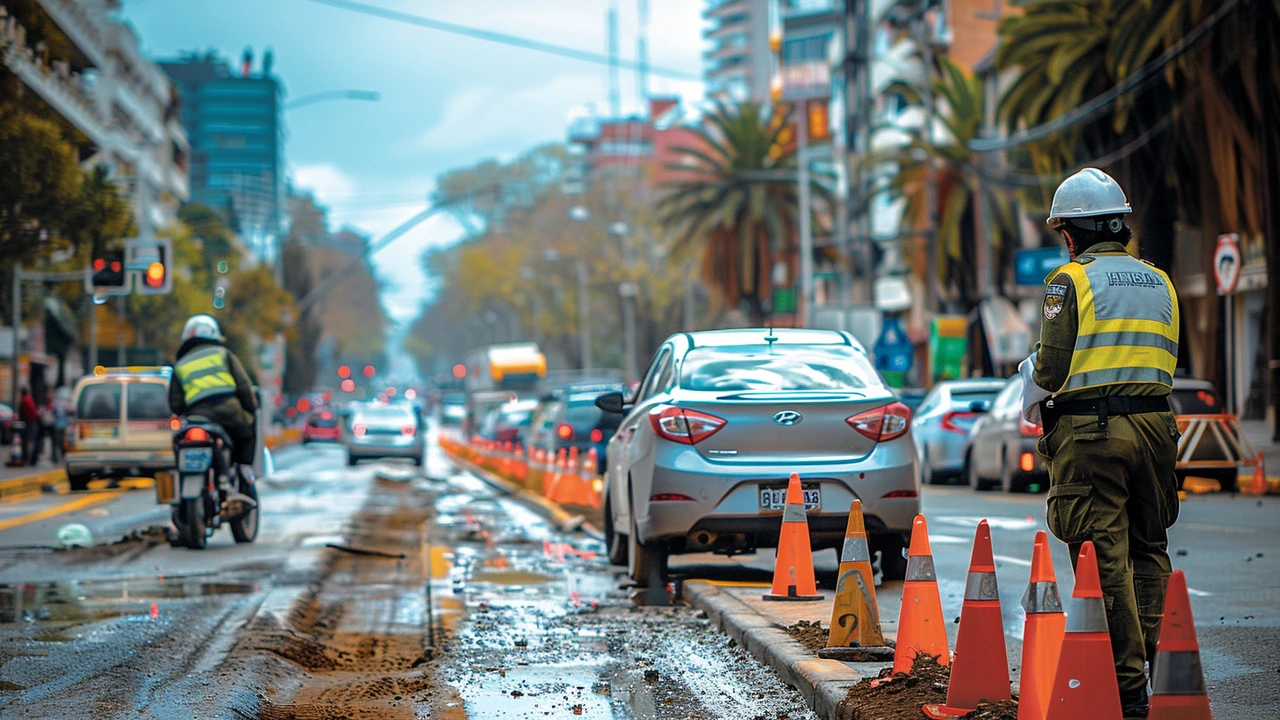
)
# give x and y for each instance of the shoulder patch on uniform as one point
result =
(1053, 303)
(1085, 259)
(1056, 290)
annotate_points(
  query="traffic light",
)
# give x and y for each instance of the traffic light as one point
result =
(220, 293)
(109, 273)
(155, 267)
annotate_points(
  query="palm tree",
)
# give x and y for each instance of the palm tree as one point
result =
(736, 201)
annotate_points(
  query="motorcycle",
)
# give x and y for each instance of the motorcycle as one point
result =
(210, 489)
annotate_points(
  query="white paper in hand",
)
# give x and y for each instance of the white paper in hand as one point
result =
(1032, 394)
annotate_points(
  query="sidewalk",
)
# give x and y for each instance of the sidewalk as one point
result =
(1259, 434)
(25, 482)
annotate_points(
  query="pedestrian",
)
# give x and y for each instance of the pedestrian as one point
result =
(1107, 352)
(30, 418)
(61, 419)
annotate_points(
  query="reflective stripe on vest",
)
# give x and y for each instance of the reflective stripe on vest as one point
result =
(205, 373)
(1128, 323)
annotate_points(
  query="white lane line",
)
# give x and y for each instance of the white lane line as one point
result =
(948, 540)
(1000, 523)
(1012, 560)
(1198, 593)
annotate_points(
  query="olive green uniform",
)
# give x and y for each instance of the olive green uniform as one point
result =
(1111, 482)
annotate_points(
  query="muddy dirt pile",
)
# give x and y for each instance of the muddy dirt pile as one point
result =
(809, 634)
(901, 696)
(1002, 710)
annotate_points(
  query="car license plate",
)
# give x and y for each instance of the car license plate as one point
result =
(774, 498)
(102, 432)
(194, 459)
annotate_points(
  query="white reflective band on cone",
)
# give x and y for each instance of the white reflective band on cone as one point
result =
(793, 513)
(981, 586)
(855, 550)
(1042, 597)
(920, 569)
(1178, 673)
(1086, 615)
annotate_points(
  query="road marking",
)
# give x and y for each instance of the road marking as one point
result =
(999, 523)
(947, 540)
(1216, 528)
(1198, 593)
(79, 503)
(1013, 560)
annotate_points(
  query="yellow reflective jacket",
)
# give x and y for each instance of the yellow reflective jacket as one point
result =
(205, 373)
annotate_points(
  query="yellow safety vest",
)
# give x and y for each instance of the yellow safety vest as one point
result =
(205, 373)
(1128, 322)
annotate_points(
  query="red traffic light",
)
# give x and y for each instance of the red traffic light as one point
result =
(459, 371)
(344, 372)
(368, 371)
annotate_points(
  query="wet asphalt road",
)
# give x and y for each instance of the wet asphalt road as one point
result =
(526, 621)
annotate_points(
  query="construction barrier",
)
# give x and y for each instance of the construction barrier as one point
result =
(562, 477)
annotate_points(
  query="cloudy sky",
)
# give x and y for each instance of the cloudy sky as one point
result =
(446, 100)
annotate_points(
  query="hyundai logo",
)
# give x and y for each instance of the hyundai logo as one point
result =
(788, 418)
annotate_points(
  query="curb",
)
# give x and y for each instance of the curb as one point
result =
(29, 486)
(824, 684)
(563, 519)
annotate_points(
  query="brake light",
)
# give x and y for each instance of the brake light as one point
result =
(408, 430)
(684, 426)
(959, 421)
(358, 429)
(1028, 462)
(565, 431)
(1029, 430)
(196, 434)
(882, 423)
(597, 436)
(670, 497)
(175, 424)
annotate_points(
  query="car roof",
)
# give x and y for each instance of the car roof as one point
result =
(784, 336)
(1192, 384)
(974, 384)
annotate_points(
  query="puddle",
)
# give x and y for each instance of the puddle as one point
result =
(510, 577)
(100, 600)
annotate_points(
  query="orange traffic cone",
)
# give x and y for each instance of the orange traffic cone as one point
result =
(1259, 484)
(793, 572)
(574, 487)
(980, 669)
(1084, 684)
(520, 465)
(537, 470)
(921, 629)
(1178, 682)
(1042, 633)
(553, 490)
(855, 617)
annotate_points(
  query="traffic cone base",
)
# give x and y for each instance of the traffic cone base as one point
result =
(793, 573)
(980, 669)
(921, 629)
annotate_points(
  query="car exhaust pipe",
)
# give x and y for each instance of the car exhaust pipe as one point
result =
(703, 537)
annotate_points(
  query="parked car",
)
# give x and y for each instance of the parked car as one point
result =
(7, 416)
(509, 422)
(121, 426)
(453, 409)
(943, 421)
(1002, 446)
(568, 417)
(701, 459)
(321, 426)
(375, 430)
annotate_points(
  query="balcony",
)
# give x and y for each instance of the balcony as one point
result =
(66, 92)
(77, 24)
(719, 8)
(728, 25)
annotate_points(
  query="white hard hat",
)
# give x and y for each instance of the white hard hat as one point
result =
(1089, 193)
(202, 326)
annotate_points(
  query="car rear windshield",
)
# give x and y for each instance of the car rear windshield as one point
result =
(386, 417)
(148, 401)
(1194, 402)
(319, 421)
(587, 415)
(972, 396)
(777, 368)
(99, 401)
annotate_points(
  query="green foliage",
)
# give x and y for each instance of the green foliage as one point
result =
(736, 201)
(39, 182)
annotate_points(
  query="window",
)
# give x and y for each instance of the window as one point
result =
(99, 401)
(647, 389)
(148, 401)
(806, 50)
(777, 368)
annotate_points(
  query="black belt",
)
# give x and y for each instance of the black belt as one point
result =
(1102, 408)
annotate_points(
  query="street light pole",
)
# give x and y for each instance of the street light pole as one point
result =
(806, 231)
(584, 315)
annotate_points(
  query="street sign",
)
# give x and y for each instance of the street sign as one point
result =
(1226, 263)
(894, 352)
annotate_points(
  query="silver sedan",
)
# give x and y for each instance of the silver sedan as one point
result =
(383, 431)
(943, 421)
(721, 420)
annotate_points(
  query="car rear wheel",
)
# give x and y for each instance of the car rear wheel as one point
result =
(1009, 483)
(646, 561)
(926, 470)
(79, 481)
(893, 562)
(615, 541)
(976, 481)
(351, 460)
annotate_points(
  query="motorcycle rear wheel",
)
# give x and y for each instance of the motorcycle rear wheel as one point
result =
(245, 528)
(192, 526)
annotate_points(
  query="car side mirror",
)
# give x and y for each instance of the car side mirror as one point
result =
(613, 402)
(980, 406)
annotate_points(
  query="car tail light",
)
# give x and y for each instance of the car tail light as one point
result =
(899, 494)
(1029, 430)
(959, 421)
(408, 430)
(565, 431)
(684, 426)
(359, 429)
(597, 436)
(196, 434)
(670, 497)
(883, 423)
(1028, 462)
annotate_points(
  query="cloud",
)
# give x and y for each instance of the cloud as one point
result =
(325, 180)
(497, 119)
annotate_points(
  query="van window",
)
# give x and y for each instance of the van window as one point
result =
(99, 401)
(148, 401)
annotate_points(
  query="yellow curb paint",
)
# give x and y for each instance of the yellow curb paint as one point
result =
(78, 503)
(27, 487)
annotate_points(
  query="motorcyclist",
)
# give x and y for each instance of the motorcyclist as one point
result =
(209, 381)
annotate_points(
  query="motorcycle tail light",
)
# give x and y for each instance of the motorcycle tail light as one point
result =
(196, 434)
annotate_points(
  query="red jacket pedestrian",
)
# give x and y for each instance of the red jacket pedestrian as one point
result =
(27, 412)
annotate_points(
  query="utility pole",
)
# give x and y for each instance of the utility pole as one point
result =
(806, 231)
(584, 314)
